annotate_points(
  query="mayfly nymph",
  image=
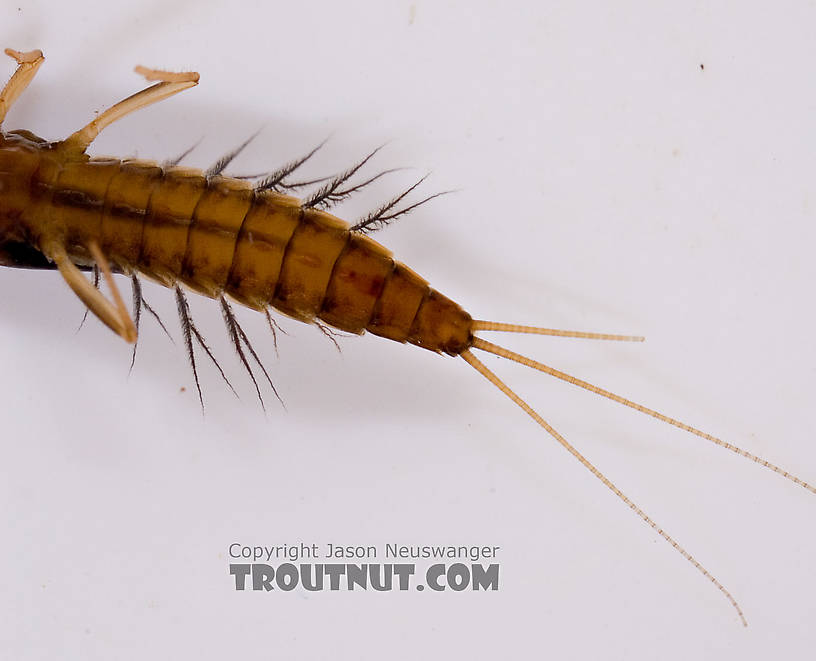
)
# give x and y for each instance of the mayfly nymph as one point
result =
(248, 242)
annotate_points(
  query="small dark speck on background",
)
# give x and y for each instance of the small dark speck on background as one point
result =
(182, 389)
(702, 67)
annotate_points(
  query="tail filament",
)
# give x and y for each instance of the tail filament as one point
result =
(479, 343)
(489, 347)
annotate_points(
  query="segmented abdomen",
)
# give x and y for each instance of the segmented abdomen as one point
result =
(217, 235)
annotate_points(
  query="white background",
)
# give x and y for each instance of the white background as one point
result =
(606, 182)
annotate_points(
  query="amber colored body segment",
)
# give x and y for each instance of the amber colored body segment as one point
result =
(260, 250)
(213, 233)
(164, 235)
(218, 236)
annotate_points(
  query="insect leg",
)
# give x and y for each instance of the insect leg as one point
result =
(114, 315)
(168, 85)
(27, 65)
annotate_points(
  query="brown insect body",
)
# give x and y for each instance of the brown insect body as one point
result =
(60, 208)
(217, 235)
